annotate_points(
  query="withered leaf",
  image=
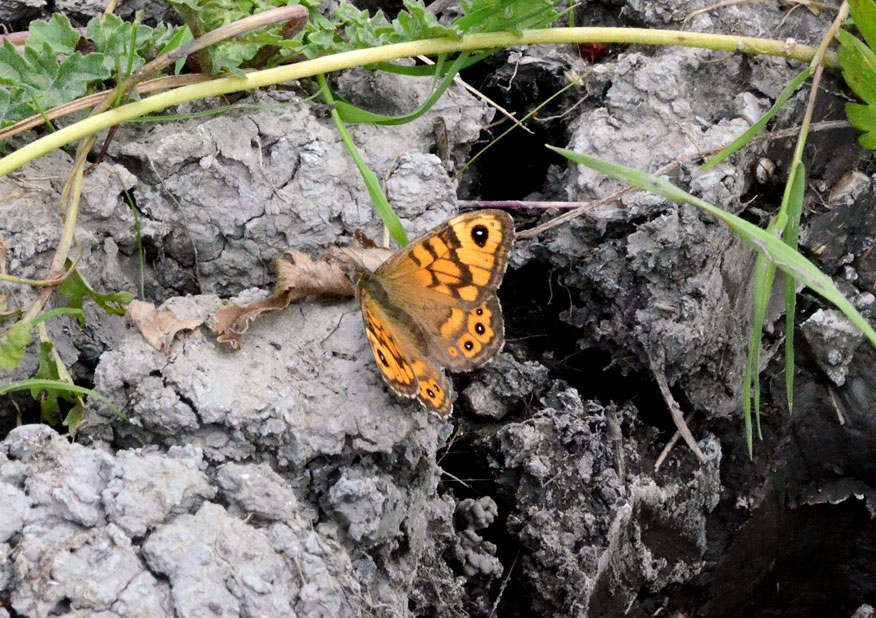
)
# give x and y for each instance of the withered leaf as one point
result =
(158, 326)
(298, 276)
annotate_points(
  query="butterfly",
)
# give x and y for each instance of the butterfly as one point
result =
(433, 305)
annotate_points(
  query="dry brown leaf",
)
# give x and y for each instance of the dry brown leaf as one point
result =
(298, 276)
(232, 321)
(158, 326)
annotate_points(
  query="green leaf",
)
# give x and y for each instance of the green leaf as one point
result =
(74, 418)
(13, 66)
(30, 384)
(112, 38)
(12, 350)
(36, 77)
(864, 118)
(859, 66)
(381, 205)
(504, 15)
(75, 288)
(181, 36)
(864, 14)
(49, 406)
(352, 114)
(794, 201)
(57, 33)
(60, 311)
(764, 275)
(415, 23)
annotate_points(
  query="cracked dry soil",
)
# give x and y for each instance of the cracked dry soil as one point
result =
(283, 480)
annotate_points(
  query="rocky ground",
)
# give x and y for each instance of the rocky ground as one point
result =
(283, 479)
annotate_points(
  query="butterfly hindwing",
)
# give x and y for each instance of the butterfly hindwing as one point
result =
(467, 338)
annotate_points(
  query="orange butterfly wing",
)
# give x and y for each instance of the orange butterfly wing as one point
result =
(401, 358)
(435, 300)
(446, 280)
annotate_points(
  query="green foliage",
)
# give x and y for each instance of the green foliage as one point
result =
(859, 70)
(773, 252)
(12, 350)
(744, 139)
(75, 288)
(352, 29)
(50, 71)
(504, 15)
(50, 409)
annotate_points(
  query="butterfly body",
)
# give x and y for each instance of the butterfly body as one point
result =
(433, 305)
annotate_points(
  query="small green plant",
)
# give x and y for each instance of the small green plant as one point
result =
(859, 69)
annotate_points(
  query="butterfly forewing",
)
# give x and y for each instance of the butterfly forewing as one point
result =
(458, 263)
(401, 352)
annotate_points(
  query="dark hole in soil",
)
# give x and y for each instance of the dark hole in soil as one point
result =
(533, 310)
(467, 461)
(809, 561)
(516, 165)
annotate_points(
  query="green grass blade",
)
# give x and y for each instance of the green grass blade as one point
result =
(746, 137)
(772, 248)
(425, 70)
(764, 276)
(60, 311)
(516, 125)
(793, 204)
(355, 115)
(56, 385)
(381, 205)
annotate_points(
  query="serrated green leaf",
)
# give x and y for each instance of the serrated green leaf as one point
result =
(12, 350)
(859, 66)
(864, 118)
(57, 33)
(40, 83)
(12, 65)
(415, 22)
(112, 37)
(868, 141)
(363, 30)
(504, 15)
(864, 14)
(77, 72)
